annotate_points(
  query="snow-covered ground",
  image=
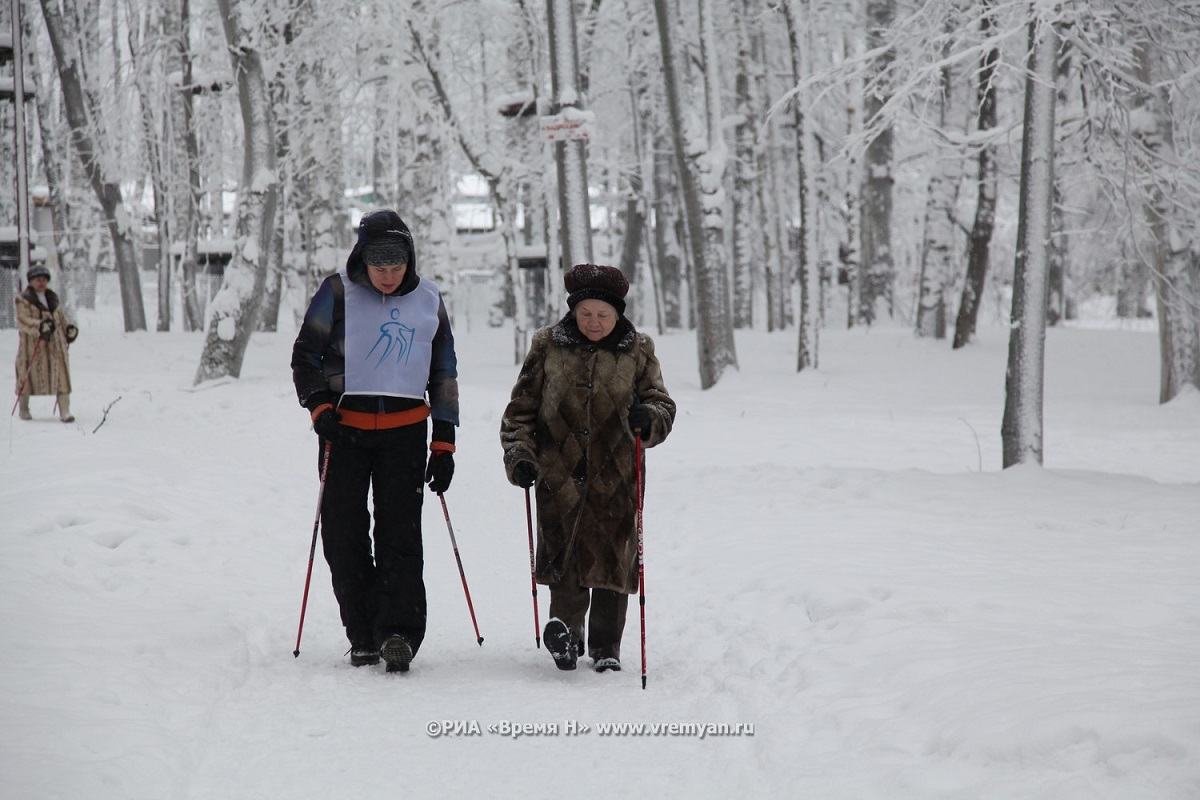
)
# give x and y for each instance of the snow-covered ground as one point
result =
(834, 559)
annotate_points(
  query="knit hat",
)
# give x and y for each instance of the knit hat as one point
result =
(37, 271)
(385, 252)
(383, 240)
(596, 282)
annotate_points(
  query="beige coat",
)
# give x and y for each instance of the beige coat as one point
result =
(568, 416)
(50, 372)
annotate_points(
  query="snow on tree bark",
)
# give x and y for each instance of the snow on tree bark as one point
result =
(806, 269)
(571, 155)
(1169, 250)
(122, 229)
(878, 263)
(233, 314)
(978, 253)
(1021, 429)
(700, 171)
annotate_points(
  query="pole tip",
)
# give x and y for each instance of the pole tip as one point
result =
(481, 641)
(295, 654)
(538, 639)
(643, 682)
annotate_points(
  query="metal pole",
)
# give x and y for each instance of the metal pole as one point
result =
(19, 119)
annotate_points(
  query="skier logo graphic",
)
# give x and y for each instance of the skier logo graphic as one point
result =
(394, 336)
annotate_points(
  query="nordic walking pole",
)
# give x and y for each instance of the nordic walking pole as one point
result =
(537, 627)
(637, 471)
(28, 371)
(312, 550)
(461, 574)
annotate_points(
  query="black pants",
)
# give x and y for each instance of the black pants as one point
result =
(384, 593)
(604, 610)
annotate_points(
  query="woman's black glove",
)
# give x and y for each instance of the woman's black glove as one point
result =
(440, 471)
(525, 474)
(72, 333)
(639, 417)
(46, 329)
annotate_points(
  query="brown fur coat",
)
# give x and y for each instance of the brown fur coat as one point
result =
(50, 372)
(568, 416)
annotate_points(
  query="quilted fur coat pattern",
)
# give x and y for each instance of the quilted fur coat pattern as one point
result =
(568, 416)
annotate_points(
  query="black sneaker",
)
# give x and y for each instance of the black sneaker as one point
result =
(397, 652)
(562, 643)
(363, 655)
(607, 664)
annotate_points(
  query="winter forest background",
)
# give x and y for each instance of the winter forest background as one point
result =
(888, 206)
(750, 165)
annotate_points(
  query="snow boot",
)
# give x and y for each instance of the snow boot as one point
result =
(397, 652)
(363, 655)
(23, 411)
(562, 643)
(606, 664)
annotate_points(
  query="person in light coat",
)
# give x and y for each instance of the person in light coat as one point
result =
(42, 365)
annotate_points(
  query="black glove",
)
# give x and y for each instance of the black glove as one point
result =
(440, 471)
(72, 333)
(46, 329)
(325, 423)
(525, 474)
(639, 417)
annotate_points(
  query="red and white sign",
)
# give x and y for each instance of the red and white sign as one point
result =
(561, 127)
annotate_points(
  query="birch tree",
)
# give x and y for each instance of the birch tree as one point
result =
(1170, 247)
(1021, 429)
(699, 170)
(97, 161)
(979, 249)
(878, 261)
(807, 272)
(233, 314)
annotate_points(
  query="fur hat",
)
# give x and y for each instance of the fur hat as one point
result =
(37, 271)
(596, 282)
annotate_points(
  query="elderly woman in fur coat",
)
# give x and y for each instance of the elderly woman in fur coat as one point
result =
(42, 364)
(589, 385)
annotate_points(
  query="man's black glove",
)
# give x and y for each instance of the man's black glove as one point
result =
(46, 329)
(325, 422)
(525, 474)
(72, 333)
(440, 471)
(639, 417)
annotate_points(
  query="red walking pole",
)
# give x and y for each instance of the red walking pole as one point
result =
(312, 550)
(461, 574)
(537, 626)
(28, 370)
(637, 471)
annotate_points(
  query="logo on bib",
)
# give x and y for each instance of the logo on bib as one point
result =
(394, 337)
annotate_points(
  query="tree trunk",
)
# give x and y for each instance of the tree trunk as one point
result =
(1021, 430)
(807, 272)
(978, 253)
(878, 262)
(121, 228)
(1171, 259)
(702, 214)
(188, 195)
(939, 247)
(234, 311)
(747, 218)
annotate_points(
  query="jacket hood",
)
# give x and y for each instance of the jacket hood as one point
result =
(384, 224)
